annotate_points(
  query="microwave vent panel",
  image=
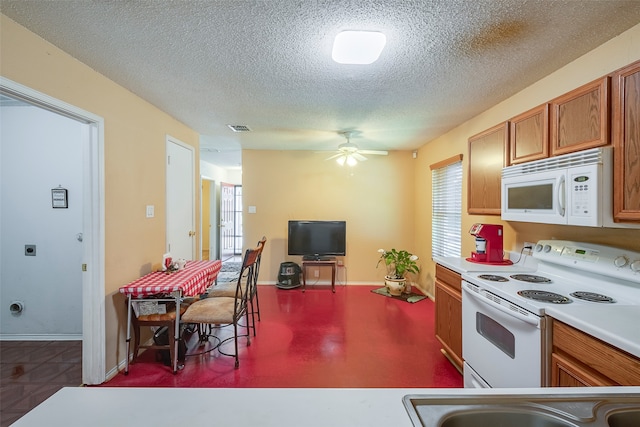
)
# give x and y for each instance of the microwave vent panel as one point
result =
(593, 156)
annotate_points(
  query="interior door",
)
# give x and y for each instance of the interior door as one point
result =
(180, 200)
(227, 212)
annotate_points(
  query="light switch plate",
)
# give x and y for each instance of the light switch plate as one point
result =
(150, 211)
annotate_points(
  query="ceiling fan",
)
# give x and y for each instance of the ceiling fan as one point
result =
(349, 153)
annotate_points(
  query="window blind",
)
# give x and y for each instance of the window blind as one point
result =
(447, 209)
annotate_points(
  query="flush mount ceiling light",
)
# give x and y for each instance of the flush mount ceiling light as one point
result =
(358, 47)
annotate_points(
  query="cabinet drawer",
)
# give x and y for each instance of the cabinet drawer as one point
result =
(607, 360)
(449, 277)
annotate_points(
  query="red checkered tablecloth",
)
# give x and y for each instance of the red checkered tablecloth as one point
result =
(192, 280)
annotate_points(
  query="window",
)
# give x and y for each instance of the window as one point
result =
(446, 215)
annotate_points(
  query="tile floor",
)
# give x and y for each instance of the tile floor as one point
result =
(31, 371)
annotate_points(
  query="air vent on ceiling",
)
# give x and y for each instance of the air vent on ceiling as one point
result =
(239, 128)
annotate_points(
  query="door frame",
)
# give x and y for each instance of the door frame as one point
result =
(212, 229)
(93, 277)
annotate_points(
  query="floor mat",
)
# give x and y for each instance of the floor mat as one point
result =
(412, 298)
(229, 272)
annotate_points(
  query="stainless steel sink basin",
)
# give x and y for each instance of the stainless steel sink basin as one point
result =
(501, 418)
(624, 419)
(562, 410)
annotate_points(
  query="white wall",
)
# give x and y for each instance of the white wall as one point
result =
(218, 174)
(39, 151)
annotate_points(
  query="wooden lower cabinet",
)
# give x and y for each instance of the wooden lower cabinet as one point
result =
(579, 360)
(448, 295)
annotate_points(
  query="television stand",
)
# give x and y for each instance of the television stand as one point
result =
(330, 262)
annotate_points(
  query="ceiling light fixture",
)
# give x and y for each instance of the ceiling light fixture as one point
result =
(358, 47)
(348, 159)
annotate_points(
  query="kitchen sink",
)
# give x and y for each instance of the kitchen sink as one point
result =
(624, 419)
(521, 410)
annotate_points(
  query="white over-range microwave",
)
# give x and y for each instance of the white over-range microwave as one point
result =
(572, 189)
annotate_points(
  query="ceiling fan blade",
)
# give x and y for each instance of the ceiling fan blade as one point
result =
(334, 156)
(359, 157)
(376, 152)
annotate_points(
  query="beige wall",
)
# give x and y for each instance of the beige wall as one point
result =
(614, 54)
(375, 198)
(135, 134)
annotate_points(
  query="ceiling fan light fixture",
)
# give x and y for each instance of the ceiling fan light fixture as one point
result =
(340, 160)
(358, 47)
(351, 161)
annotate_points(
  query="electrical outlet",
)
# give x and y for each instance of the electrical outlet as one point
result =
(530, 246)
(316, 273)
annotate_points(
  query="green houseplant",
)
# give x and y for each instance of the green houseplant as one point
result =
(399, 264)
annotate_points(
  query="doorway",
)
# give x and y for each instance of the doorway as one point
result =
(231, 232)
(209, 217)
(92, 232)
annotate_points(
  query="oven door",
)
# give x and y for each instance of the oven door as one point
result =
(501, 342)
(534, 197)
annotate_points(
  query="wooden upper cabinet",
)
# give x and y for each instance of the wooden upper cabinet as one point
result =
(580, 118)
(626, 142)
(487, 156)
(529, 135)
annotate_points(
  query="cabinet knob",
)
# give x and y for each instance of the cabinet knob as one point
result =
(635, 266)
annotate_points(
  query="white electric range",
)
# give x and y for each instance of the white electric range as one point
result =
(504, 334)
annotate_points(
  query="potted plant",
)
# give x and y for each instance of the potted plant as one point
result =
(398, 264)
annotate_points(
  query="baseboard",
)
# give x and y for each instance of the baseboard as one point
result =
(39, 337)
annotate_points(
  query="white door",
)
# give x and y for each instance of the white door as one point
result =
(180, 200)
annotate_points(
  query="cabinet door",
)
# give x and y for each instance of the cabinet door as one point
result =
(626, 142)
(594, 356)
(580, 118)
(566, 373)
(487, 157)
(449, 322)
(529, 135)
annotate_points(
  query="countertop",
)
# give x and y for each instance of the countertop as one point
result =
(170, 407)
(461, 265)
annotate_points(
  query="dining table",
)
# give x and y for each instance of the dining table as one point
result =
(169, 285)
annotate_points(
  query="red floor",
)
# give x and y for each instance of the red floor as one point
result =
(353, 338)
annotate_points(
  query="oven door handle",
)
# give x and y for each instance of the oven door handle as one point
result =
(492, 304)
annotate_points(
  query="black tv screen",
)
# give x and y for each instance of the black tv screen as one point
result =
(317, 239)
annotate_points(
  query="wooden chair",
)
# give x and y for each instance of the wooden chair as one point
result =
(212, 313)
(229, 289)
(167, 319)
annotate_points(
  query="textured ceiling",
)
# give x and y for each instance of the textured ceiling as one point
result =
(267, 64)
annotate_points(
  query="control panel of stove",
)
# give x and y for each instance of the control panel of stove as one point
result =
(605, 260)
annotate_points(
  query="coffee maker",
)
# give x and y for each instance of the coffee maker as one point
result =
(489, 248)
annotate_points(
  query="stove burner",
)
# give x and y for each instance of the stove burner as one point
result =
(592, 297)
(493, 278)
(531, 278)
(544, 296)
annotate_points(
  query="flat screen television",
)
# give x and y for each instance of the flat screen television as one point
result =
(317, 239)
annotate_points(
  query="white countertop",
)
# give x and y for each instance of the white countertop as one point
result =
(194, 407)
(616, 325)
(461, 265)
